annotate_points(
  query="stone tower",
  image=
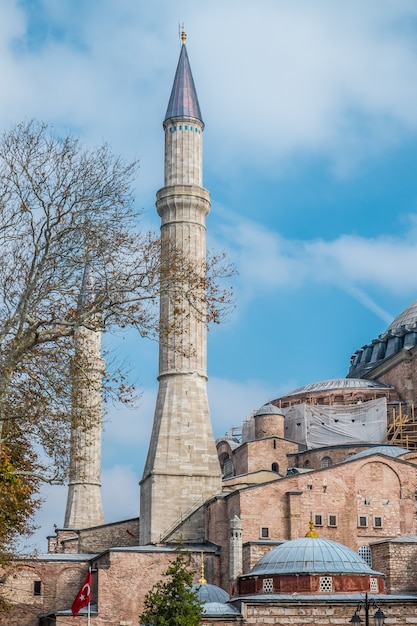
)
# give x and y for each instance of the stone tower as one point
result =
(182, 468)
(84, 508)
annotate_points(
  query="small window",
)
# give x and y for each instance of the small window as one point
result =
(366, 554)
(326, 462)
(37, 587)
(377, 521)
(268, 585)
(363, 521)
(180, 127)
(326, 583)
(374, 585)
(264, 532)
(275, 444)
(367, 502)
(185, 127)
(275, 467)
(318, 520)
(307, 463)
(332, 520)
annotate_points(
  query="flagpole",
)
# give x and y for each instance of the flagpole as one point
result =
(89, 601)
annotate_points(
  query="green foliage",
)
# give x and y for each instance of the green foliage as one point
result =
(172, 602)
(18, 487)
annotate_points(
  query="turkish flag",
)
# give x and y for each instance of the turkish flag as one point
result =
(83, 596)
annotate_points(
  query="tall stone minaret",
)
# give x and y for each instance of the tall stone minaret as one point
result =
(182, 468)
(84, 507)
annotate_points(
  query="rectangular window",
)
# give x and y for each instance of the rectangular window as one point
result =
(374, 585)
(37, 587)
(268, 585)
(377, 521)
(264, 532)
(363, 521)
(318, 520)
(332, 520)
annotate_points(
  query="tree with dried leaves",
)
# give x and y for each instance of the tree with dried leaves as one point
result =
(63, 207)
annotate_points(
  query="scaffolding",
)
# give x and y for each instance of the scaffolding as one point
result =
(402, 427)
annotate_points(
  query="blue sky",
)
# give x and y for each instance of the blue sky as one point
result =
(310, 151)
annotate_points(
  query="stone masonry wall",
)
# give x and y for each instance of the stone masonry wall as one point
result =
(400, 559)
(326, 613)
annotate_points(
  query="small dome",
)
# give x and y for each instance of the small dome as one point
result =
(408, 317)
(391, 451)
(213, 599)
(268, 409)
(210, 593)
(310, 555)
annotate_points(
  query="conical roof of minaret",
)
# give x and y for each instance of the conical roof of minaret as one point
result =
(183, 101)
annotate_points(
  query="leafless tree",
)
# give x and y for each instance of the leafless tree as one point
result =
(61, 207)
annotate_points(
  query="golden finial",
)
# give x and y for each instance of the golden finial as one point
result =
(311, 532)
(183, 34)
(202, 580)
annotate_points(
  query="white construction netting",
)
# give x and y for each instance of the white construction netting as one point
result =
(317, 425)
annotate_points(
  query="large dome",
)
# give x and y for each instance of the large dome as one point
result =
(311, 555)
(408, 317)
(400, 335)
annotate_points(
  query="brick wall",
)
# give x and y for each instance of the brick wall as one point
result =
(399, 560)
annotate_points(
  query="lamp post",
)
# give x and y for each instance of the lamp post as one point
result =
(379, 617)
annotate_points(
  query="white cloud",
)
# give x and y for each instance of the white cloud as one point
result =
(338, 79)
(357, 265)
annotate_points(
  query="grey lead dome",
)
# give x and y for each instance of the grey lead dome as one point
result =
(311, 555)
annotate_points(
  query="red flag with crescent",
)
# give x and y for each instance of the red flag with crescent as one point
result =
(83, 596)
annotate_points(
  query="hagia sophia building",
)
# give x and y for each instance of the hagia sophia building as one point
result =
(306, 515)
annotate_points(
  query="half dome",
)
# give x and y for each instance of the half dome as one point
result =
(336, 384)
(387, 450)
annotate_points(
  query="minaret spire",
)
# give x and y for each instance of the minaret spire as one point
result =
(84, 506)
(182, 468)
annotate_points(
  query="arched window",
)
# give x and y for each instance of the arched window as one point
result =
(326, 462)
(366, 554)
(275, 467)
(307, 463)
(227, 466)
